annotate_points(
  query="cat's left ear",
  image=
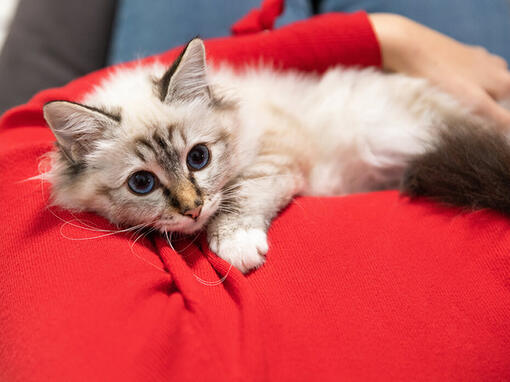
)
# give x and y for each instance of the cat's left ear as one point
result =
(77, 127)
(186, 79)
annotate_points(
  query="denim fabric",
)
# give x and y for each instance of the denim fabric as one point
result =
(143, 28)
(294, 10)
(476, 22)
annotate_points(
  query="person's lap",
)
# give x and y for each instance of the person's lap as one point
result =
(368, 286)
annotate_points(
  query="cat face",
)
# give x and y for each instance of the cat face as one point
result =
(164, 162)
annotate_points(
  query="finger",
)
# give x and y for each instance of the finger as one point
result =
(499, 88)
(491, 109)
(500, 61)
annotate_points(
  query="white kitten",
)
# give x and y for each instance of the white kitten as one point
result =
(191, 147)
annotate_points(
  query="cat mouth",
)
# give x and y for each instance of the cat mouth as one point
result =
(187, 225)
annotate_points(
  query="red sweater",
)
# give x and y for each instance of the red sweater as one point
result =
(364, 287)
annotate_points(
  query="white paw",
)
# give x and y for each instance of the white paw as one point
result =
(243, 248)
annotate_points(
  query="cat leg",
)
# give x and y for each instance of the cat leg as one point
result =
(238, 233)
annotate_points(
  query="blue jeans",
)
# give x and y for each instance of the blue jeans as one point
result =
(143, 28)
(140, 30)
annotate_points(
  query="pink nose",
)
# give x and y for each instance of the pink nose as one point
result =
(193, 213)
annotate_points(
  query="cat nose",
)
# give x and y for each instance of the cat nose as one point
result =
(193, 213)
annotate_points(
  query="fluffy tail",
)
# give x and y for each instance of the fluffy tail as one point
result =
(468, 166)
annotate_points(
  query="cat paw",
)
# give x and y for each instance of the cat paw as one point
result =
(245, 249)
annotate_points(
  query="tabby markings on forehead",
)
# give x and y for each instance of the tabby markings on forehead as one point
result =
(161, 151)
(160, 141)
(139, 154)
(171, 156)
(222, 137)
(183, 136)
(145, 143)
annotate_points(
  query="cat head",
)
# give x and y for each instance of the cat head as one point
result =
(162, 158)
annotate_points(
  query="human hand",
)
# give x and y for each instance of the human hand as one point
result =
(472, 75)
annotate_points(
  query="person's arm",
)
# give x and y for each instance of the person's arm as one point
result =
(471, 74)
(309, 45)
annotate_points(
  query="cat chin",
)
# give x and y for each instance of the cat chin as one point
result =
(186, 228)
(186, 225)
(192, 228)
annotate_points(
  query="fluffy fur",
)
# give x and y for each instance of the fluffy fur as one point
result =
(270, 135)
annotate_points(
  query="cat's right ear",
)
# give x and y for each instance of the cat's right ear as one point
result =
(186, 79)
(77, 127)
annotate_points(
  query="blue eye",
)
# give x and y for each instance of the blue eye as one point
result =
(142, 182)
(198, 157)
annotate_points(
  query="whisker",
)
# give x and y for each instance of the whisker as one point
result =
(143, 234)
(95, 237)
(192, 241)
(169, 240)
(200, 280)
(214, 283)
(141, 258)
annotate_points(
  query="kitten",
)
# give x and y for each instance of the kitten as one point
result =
(195, 148)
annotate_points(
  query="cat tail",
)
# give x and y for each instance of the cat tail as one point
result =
(467, 166)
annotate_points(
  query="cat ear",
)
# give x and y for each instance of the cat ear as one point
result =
(186, 79)
(76, 126)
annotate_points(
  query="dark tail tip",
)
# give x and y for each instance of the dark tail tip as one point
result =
(468, 166)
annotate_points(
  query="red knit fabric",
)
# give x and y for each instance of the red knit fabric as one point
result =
(364, 287)
(259, 19)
